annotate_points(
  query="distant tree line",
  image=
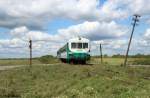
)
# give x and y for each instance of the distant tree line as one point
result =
(97, 56)
(122, 56)
(132, 56)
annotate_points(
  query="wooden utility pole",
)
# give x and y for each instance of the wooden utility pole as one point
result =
(135, 19)
(101, 53)
(30, 47)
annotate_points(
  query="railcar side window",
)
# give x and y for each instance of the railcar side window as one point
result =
(79, 45)
(73, 45)
(85, 45)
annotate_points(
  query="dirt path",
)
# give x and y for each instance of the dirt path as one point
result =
(16, 66)
(10, 67)
(139, 65)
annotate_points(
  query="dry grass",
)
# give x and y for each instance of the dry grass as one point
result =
(75, 81)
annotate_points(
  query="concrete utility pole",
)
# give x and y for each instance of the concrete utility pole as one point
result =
(101, 53)
(135, 19)
(30, 47)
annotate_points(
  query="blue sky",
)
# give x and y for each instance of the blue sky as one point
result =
(107, 21)
(54, 25)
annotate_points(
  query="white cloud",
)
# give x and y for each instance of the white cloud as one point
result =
(23, 33)
(147, 34)
(111, 10)
(140, 6)
(28, 18)
(18, 44)
(145, 40)
(19, 31)
(94, 30)
(35, 13)
(128, 7)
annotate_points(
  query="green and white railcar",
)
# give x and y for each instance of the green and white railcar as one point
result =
(76, 50)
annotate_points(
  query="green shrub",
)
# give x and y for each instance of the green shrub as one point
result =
(48, 59)
(145, 61)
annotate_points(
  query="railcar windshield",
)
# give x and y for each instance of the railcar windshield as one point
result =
(73, 45)
(79, 45)
(85, 45)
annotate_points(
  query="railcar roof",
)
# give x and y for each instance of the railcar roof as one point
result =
(78, 39)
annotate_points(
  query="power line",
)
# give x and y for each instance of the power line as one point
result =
(42, 40)
(13, 47)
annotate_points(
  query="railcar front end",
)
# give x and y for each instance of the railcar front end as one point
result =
(77, 50)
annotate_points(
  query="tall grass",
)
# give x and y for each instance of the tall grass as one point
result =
(75, 81)
(40, 60)
(141, 61)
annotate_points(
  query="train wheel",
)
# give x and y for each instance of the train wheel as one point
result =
(71, 61)
(83, 62)
(75, 62)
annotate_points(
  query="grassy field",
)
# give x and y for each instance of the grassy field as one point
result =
(17, 62)
(108, 60)
(9, 62)
(75, 81)
(120, 61)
